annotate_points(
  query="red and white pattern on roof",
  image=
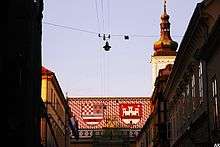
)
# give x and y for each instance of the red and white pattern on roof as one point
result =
(97, 112)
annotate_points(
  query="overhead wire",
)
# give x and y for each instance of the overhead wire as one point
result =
(103, 21)
(100, 56)
(99, 62)
(103, 63)
(108, 72)
(108, 8)
(96, 33)
(97, 16)
(108, 55)
(104, 57)
(69, 27)
(102, 28)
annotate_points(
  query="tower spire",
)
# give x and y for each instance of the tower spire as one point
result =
(165, 46)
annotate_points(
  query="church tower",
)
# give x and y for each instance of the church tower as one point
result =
(164, 48)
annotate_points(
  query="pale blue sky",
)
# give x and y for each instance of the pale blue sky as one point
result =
(77, 58)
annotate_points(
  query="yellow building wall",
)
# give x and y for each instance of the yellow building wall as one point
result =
(44, 90)
(55, 109)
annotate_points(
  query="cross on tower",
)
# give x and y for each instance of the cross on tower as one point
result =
(164, 6)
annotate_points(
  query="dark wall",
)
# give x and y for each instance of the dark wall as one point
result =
(22, 69)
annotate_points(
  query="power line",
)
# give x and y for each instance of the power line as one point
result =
(92, 32)
(103, 21)
(97, 16)
(68, 27)
(108, 7)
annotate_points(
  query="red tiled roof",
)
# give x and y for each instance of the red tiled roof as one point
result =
(110, 108)
(44, 70)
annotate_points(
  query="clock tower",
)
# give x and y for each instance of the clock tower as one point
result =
(164, 49)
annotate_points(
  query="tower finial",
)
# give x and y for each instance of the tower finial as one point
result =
(165, 7)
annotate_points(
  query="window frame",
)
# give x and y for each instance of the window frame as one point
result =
(193, 86)
(216, 111)
(200, 81)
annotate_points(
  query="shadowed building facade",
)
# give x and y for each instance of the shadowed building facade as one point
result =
(154, 132)
(192, 90)
(21, 68)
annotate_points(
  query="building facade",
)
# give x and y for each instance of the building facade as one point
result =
(154, 133)
(145, 136)
(21, 69)
(55, 129)
(160, 138)
(192, 91)
(209, 56)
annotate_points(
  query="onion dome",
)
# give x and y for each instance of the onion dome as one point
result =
(165, 46)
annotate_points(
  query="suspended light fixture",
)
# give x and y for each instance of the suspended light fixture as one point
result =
(106, 46)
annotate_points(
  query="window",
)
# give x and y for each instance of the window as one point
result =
(149, 135)
(187, 90)
(193, 84)
(55, 103)
(188, 101)
(50, 99)
(184, 104)
(173, 128)
(162, 119)
(169, 129)
(200, 82)
(216, 103)
(161, 106)
(54, 99)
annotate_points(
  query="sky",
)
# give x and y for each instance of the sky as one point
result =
(73, 50)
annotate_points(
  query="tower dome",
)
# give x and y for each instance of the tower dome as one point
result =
(165, 46)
